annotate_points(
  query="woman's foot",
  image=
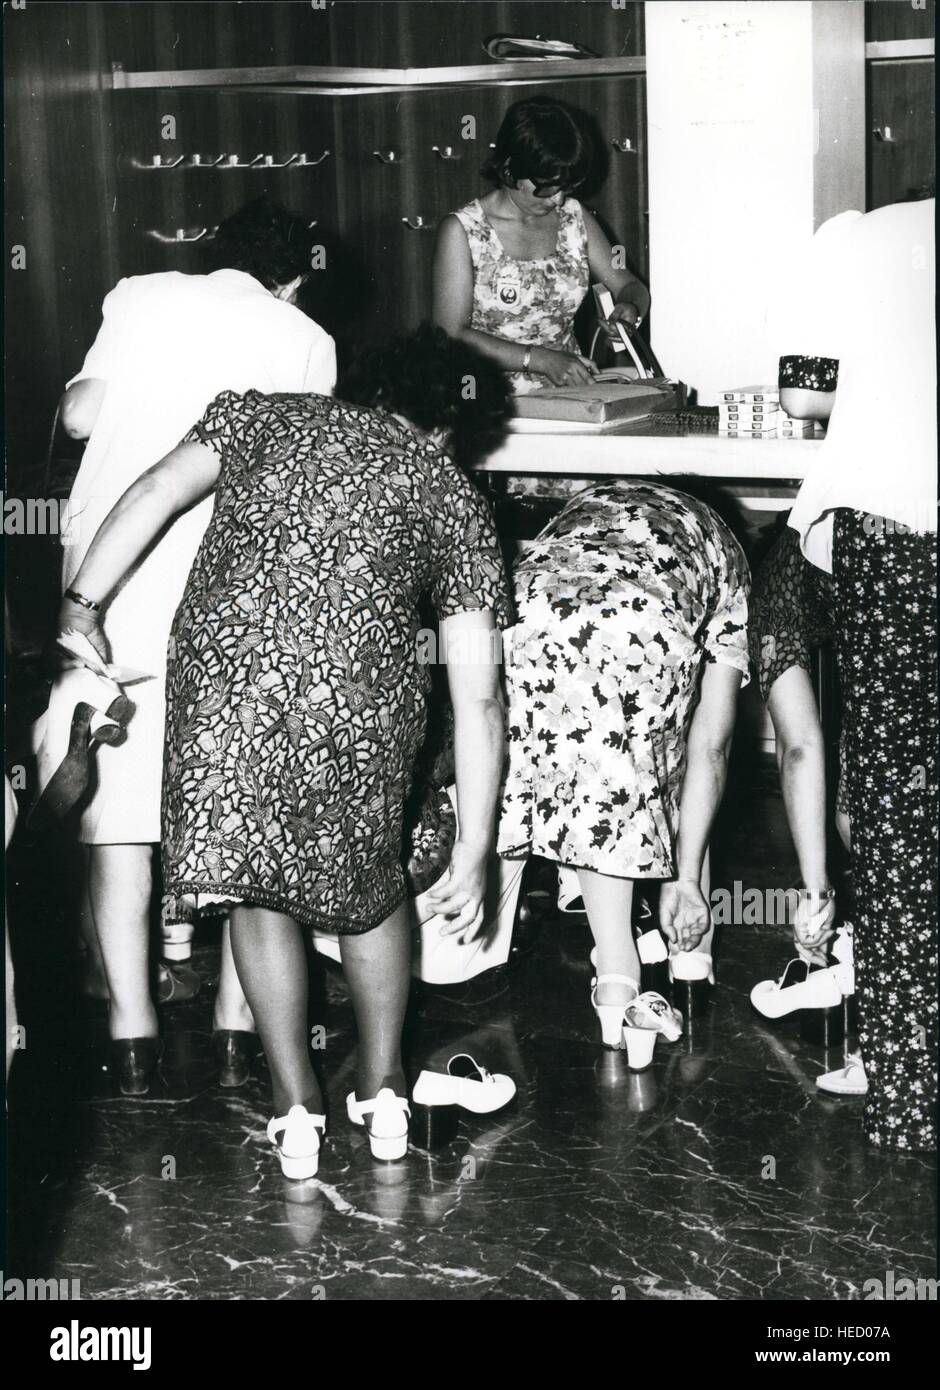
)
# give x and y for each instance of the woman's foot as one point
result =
(385, 1119)
(235, 1052)
(297, 1137)
(133, 1063)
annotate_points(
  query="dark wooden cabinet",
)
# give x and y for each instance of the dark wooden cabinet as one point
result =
(900, 100)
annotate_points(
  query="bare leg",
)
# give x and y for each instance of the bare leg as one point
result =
(268, 951)
(119, 884)
(95, 978)
(231, 1007)
(377, 966)
(608, 902)
(801, 759)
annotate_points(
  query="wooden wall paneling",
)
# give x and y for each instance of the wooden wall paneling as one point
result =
(901, 98)
(166, 34)
(899, 19)
(422, 33)
(59, 189)
(58, 192)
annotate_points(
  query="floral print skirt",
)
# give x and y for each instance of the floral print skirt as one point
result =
(885, 593)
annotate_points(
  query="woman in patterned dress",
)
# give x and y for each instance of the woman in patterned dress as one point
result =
(623, 672)
(511, 268)
(297, 693)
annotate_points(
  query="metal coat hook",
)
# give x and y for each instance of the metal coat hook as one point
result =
(180, 235)
(232, 161)
(624, 146)
(388, 156)
(417, 224)
(200, 161)
(269, 162)
(158, 162)
(883, 133)
(303, 162)
(448, 153)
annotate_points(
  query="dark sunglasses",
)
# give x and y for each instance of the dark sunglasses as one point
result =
(548, 190)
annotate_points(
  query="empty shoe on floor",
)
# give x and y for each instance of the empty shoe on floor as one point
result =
(798, 988)
(177, 983)
(850, 1080)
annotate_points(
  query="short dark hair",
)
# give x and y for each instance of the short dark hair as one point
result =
(265, 240)
(435, 382)
(543, 140)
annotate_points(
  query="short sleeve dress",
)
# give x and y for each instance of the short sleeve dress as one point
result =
(296, 689)
(622, 600)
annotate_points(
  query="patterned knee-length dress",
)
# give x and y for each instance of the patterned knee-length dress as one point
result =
(296, 689)
(621, 600)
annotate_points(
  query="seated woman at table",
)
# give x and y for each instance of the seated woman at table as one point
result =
(623, 673)
(512, 268)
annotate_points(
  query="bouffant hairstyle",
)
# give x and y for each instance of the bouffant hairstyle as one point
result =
(265, 240)
(543, 140)
(436, 383)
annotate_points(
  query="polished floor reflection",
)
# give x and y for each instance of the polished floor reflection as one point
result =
(721, 1173)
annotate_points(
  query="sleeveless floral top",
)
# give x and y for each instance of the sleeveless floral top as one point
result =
(528, 301)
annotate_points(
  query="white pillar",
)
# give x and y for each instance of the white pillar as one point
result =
(745, 141)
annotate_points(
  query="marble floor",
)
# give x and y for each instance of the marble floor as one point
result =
(721, 1173)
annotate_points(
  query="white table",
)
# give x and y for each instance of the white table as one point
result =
(777, 465)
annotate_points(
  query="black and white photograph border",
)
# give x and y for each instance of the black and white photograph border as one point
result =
(470, 628)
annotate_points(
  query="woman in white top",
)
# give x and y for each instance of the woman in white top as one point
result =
(511, 268)
(167, 346)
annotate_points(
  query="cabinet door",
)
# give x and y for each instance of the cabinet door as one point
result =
(901, 141)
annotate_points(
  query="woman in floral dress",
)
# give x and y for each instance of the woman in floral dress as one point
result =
(296, 693)
(512, 268)
(623, 672)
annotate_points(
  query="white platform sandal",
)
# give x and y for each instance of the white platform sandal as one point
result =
(388, 1132)
(297, 1137)
(611, 1015)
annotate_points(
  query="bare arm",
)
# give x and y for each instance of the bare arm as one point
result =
(471, 646)
(177, 482)
(684, 914)
(452, 310)
(80, 405)
(632, 298)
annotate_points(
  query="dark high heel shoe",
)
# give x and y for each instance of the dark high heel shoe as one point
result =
(235, 1051)
(133, 1063)
(63, 758)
